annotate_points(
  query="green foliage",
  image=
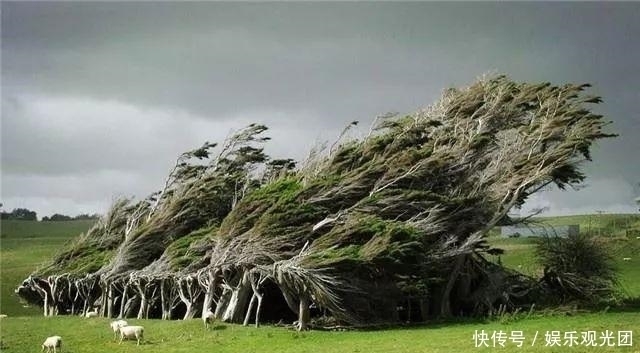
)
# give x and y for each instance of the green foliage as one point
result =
(577, 267)
(369, 240)
(272, 195)
(19, 214)
(87, 260)
(182, 252)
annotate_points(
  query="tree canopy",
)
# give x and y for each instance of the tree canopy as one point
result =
(22, 214)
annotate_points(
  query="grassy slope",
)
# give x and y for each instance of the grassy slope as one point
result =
(24, 245)
(25, 334)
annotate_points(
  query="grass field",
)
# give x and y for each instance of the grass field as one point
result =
(25, 334)
(611, 225)
(24, 245)
(519, 256)
(618, 231)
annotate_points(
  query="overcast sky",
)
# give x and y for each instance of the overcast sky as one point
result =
(99, 98)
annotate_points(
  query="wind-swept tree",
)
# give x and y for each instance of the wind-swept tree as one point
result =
(397, 219)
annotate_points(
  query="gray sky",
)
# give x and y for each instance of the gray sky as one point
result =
(99, 98)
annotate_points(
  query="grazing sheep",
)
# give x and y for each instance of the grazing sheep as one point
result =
(208, 318)
(91, 313)
(52, 342)
(626, 259)
(131, 332)
(2, 316)
(115, 326)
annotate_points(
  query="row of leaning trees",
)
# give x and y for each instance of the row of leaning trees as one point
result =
(385, 228)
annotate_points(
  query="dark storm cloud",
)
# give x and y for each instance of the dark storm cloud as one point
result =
(96, 88)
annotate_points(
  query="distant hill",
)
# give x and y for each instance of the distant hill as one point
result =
(25, 245)
(598, 224)
(35, 229)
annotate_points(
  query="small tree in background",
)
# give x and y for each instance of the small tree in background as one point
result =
(577, 267)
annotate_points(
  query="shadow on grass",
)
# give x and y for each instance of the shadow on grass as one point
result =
(431, 324)
(629, 304)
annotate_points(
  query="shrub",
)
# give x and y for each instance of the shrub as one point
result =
(577, 267)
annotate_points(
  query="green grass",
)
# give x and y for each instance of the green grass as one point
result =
(25, 334)
(12, 229)
(24, 246)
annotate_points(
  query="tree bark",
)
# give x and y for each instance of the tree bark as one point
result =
(143, 308)
(129, 306)
(190, 313)
(43, 293)
(223, 302)
(110, 300)
(188, 294)
(209, 293)
(165, 305)
(123, 301)
(247, 317)
(445, 304)
(255, 286)
(237, 302)
(46, 304)
(258, 309)
(304, 316)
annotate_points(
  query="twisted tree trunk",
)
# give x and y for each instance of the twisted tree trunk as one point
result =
(247, 316)
(209, 282)
(237, 302)
(123, 301)
(445, 304)
(304, 315)
(110, 299)
(188, 291)
(223, 302)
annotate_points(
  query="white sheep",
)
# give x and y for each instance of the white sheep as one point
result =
(131, 332)
(626, 259)
(91, 313)
(2, 316)
(52, 342)
(115, 326)
(208, 319)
